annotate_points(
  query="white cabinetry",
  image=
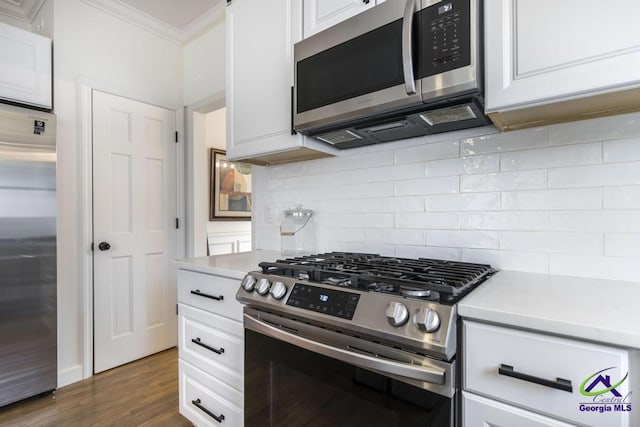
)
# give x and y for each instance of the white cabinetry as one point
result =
(210, 349)
(25, 67)
(260, 38)
(322, 14)
(527, 377)
(548, 61)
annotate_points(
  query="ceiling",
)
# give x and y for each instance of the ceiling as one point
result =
(178, 15)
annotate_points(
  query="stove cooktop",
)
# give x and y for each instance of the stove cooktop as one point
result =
(426, 279)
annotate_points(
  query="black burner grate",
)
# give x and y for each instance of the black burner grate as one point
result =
(432, 279)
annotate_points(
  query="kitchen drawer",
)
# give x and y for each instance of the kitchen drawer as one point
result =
(213, 395)
(487, 348)
(482, 412)
(211, 293)
(218, 333)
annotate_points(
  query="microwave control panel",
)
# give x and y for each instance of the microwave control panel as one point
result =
(446, 42)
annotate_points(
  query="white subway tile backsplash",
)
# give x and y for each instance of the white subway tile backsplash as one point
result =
(626, 197)
(563, 199)
(395, 204)
(464, 202)
(429, 221)
(596, 221)
(622, 150)
(504, 181)
(501, 142)
(532, 262)
(355, 220)
(602, 267)
(583, 198)
(622, 244)
(449, 184)
(570, 155)
(569, 243)
(432, 151)
(534, 221)
(395, 236)
(603, 128)
(463, 165)
(464, 239)
(595, 176)
(395, 172)
(452, 254)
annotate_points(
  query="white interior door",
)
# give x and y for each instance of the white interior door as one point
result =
(134, 211)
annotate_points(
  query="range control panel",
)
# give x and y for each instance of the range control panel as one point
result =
(322, 300)
(446, 39)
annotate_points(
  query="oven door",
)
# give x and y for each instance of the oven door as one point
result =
(302, 374)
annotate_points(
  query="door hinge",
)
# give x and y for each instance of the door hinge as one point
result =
(176, 137)
(176, 309)
(177, 223)
(91, 246)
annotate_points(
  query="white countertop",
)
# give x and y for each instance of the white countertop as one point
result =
(603, 311)
(234, 266)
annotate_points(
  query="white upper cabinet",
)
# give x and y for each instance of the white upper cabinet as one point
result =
(25, 67)
(322, 14)
(541, 52)
(260, 38)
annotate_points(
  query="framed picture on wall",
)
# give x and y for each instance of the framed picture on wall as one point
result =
(230, 189)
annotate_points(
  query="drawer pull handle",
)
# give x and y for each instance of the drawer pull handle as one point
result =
(200, 294)
(201, 344)
(559, 383)
(198, 404)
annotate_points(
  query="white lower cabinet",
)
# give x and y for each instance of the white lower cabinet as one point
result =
(210, 349)
(532, 379)
(482, 412)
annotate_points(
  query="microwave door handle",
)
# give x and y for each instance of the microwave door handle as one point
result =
(407, 48)
(431, 375)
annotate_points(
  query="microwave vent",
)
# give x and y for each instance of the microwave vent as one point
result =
(448, 115)
(338, 137)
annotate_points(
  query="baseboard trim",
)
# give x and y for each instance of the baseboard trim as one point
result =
(69, 375)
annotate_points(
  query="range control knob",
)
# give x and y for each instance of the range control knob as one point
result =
(263, 286)
(426, 319)
(248, 283)
(397, 313)
(278, 290)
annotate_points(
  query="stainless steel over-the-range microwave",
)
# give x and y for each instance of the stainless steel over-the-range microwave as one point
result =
(401, 69)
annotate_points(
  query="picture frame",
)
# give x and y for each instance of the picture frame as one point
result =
(229, 188)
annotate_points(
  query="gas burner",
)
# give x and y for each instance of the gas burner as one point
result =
(428, 279)
(412, 291)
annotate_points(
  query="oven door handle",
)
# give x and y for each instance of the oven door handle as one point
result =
(422, 373)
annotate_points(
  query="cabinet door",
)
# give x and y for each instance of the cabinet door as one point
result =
(322, 14)
(482, 412)
(541, 51)
(260, 37)
(25, 67)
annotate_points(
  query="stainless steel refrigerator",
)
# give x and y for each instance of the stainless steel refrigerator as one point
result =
(28, 333)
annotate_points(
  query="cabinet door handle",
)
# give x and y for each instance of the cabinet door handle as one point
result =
(198, 404)
(559, 383)
(208, 347)
(200, 294)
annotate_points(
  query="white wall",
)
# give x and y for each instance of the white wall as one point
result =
(204, 64)
(563, 199)
(97, 49)
(209, 132)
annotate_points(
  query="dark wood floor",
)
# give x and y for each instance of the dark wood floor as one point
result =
(142, 393)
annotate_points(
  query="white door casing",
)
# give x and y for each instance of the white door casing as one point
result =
(134, 211)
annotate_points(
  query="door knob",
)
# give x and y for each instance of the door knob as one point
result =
(104, 246)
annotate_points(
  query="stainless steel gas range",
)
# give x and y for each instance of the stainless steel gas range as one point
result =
(353, 339)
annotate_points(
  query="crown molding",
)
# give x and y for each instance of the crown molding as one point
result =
(155, 26)
(21, 10)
